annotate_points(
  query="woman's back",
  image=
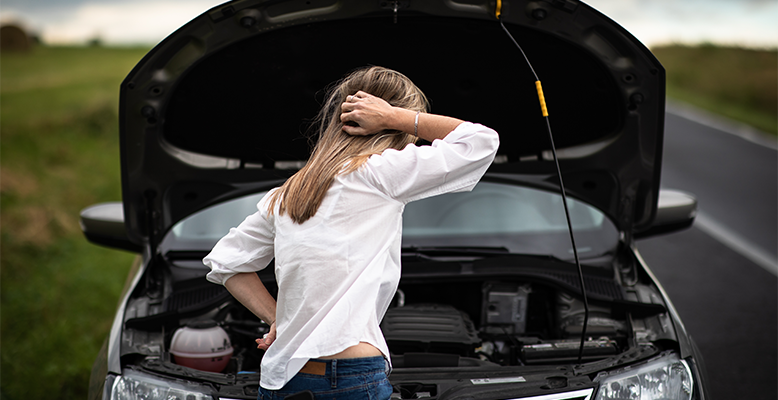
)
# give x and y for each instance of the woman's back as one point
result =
(335, 227)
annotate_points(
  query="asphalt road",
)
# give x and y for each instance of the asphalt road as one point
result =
(721, 273)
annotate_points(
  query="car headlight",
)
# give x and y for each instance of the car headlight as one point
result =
(133, 385)
(664, 378)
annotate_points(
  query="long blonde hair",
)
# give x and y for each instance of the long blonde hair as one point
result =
(337, 152)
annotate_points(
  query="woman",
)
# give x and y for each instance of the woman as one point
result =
(334, 229)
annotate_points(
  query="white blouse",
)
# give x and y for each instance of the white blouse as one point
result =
(338, 271)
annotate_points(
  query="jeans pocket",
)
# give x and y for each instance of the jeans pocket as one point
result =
(381, 390)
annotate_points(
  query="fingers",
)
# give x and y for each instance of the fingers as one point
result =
(352, 100)
(352, 124)
(354, 130)
(349, 118)
(360, 95)
(361, 100)
(264, 342)
(364, 114)
(347, 107)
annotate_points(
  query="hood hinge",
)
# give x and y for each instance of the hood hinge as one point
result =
(151, 219)
(625, 223)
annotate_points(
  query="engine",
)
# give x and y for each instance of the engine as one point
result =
(458, 324)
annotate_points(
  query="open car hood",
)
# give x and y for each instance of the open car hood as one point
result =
(220, 107)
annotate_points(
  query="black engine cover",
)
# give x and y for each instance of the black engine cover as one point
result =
(429, 328)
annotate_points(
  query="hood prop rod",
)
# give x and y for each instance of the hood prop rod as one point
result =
(544, 110)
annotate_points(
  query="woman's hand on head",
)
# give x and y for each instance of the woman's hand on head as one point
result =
(364, 114)
(265, 342)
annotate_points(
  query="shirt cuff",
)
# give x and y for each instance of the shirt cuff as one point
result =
(219, 274)
(459, 132)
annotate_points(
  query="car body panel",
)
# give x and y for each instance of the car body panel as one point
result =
(223, 102)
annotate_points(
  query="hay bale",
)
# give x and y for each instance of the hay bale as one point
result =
(14, 38)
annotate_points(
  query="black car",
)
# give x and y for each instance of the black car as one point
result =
(491, 303)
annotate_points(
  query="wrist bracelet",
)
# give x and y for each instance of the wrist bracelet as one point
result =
(416, 125)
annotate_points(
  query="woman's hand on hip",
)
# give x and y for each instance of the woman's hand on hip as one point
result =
(364, 114)
(265, 342)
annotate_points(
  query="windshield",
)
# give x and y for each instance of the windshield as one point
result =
(523, 220)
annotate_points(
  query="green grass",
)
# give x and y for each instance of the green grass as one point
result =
(741, 84)
(58, 154)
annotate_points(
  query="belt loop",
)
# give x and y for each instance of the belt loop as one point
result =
(334, 378)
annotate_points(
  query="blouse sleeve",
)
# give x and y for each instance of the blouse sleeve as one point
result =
(455, 163)
(247, 248)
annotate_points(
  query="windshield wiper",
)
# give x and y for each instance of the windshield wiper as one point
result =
(471, 252)
(454, 251)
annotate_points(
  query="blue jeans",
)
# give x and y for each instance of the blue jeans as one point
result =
(345, 378)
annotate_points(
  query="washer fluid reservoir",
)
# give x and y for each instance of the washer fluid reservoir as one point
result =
(201, 345)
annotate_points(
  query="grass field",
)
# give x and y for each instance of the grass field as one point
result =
(741, 84)
(59, 153)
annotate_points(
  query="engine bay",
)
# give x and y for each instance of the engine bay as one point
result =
(483, 323)
(450, 325)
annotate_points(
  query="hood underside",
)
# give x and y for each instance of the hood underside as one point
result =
(222, 106)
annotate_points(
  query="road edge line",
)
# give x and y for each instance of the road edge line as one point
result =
(723, 124)
(737, 243)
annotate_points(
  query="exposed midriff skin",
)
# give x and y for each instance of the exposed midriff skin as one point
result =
(357, 351)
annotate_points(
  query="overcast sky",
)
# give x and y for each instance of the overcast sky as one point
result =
(741, 22)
